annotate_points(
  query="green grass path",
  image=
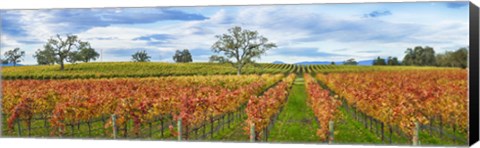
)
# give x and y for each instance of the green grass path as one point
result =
(349, 131)
(296, 123)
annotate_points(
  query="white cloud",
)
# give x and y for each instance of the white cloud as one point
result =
(36, 25)
(287, 26)
(8, 42)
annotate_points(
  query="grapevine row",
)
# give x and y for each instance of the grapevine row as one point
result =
(323, 105)
(261, 109)
(403, 98)
(141, 100)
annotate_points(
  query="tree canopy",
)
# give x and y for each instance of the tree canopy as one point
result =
(350, 62)
(242, 46)
(14, 56)
(69, 49)
(393, 61)
(4, 61)
(87, 53)
(217, 59)
(141, 56)
(379, 61)
(420, 56)
(182, 56)
(458, 58)
(45, 57)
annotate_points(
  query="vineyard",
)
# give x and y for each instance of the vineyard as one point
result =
(71, 102)
(261, 110)
(208, 101)
(437, 100)
(151, 69)
(324, 106)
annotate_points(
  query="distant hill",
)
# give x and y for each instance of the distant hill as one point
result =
(10, 64)
(315, 63)
(278, 62)
(364, 62)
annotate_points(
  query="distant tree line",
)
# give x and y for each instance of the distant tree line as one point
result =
(458, 58)
(350, 62)
(217, 59)
(425, 56)
(389, 61)
(183, 56)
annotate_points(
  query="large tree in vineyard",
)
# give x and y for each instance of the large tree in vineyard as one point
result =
(141, 56)
(182, 56)
(63, 49)
(14, 56)
(243, 46)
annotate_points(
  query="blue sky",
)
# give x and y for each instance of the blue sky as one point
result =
(322, 32)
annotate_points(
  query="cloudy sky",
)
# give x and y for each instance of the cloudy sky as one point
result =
(324, 32)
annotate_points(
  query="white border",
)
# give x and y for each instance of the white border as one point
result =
(81, 143)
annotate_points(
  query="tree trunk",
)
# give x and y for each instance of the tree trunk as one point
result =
(14, 64)
(239, 70)
(61, 64)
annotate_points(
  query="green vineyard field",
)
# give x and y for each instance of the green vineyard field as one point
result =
(154, 69)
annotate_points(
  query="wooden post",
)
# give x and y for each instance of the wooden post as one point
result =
(150, 129)
(391, 133)
(355, 113)
(125, 130)
(223, 122)
(415, 133)
(45, 125)
(72, 127)
(204, 128)
(30, 127)
(212, 121)
(454, 129)
(19, 128)
(161, 126)
(228, 119)
(103, 129)
(377, 123)
(331, 134)
(371, 128)
(252, 132)
(431, 125)
(179, 126)
(186, 132)
(382, 130)
(89, 128)
(60, 132)
(114, 126)
(265, 134)
(441, 127)
(365, 120)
